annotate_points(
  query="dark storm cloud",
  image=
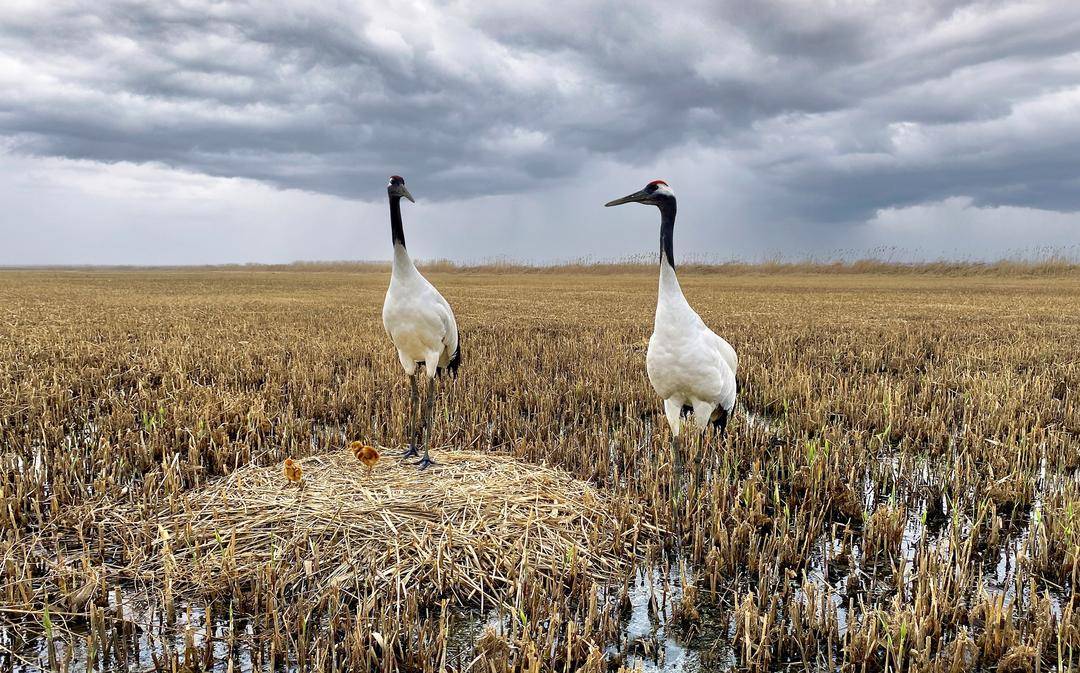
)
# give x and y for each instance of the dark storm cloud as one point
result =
(834, 112)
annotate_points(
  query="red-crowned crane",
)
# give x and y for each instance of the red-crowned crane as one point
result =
(420, 323)
(690, 367)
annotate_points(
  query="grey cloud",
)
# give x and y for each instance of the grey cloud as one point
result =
(831, 113)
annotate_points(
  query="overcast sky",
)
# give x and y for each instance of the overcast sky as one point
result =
(203, 131)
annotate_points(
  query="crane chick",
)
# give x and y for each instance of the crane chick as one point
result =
(368, 455)
(292, 471)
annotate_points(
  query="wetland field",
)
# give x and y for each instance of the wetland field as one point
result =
(898, 489)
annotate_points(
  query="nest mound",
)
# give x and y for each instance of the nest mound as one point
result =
(467, 528)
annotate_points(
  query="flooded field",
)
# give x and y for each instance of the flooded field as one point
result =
(899, 488)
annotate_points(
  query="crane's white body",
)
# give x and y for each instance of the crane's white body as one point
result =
(688, 364)
(417, 318)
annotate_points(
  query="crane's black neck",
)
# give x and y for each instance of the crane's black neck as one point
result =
(667, 231)
(396, 231)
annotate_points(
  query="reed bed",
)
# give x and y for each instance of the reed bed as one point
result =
(899, 489)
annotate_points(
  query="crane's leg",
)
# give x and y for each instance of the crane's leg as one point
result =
(673, 411)
(426, 461)
(414, 419)
(703, 412)
(676, 452)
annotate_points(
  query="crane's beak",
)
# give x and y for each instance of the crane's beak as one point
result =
(636, 197)
(404, 192)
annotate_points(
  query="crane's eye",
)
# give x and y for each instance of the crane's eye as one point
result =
(651, 187)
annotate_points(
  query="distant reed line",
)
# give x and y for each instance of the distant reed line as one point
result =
(1049, 266)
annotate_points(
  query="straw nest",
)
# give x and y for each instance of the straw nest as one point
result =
(467, 529)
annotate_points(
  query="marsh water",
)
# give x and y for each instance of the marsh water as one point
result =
(651, 638)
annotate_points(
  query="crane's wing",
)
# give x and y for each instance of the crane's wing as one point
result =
(726, 352)
(449, 324)
(451, 357)
(722, 347)
(722, 367)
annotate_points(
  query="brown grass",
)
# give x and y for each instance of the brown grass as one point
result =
(939, 408)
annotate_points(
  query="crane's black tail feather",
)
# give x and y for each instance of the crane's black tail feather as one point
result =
(720, 418)
(455, 359)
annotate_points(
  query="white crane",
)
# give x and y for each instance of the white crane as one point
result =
(690, 367)
(420, 323)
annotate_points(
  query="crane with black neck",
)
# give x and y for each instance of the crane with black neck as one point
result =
(421, 325)
(691, 368)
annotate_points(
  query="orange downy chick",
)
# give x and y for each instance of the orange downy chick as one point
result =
(368, 455)
(292, 471)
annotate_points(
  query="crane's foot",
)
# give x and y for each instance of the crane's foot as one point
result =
(411, 452)
(425, 462)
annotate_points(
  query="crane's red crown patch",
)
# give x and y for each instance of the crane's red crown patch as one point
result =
(658, 182)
